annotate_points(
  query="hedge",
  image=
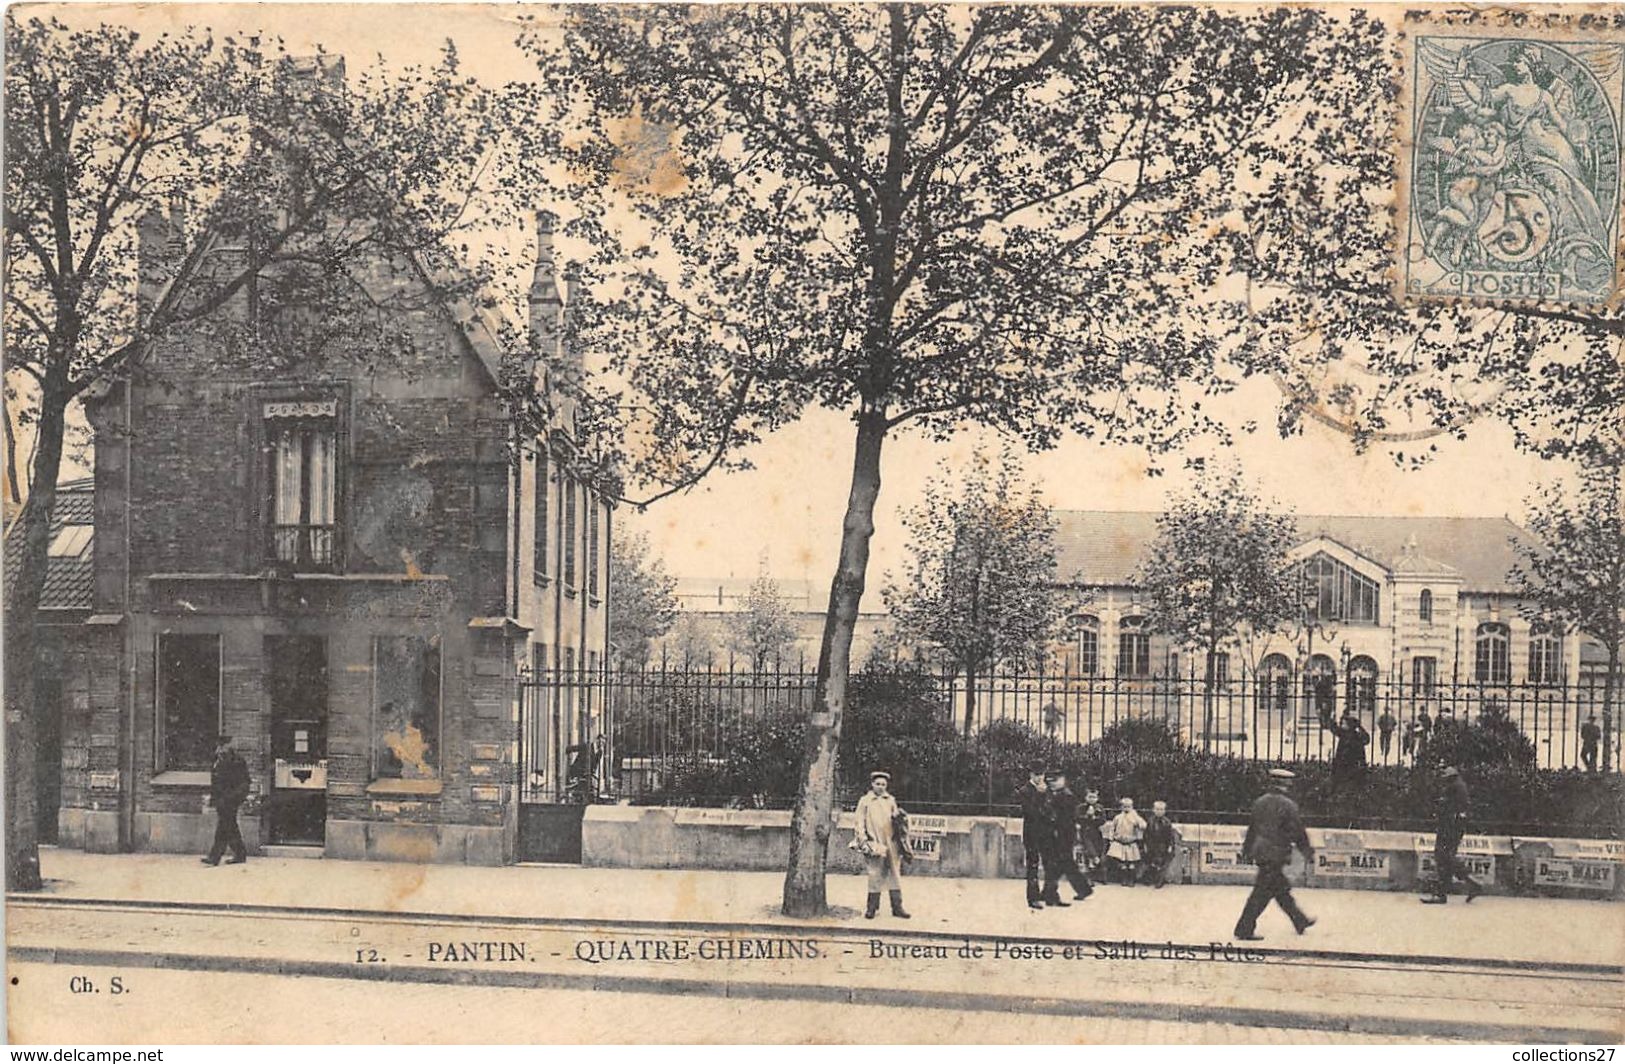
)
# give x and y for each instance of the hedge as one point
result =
(895, 721)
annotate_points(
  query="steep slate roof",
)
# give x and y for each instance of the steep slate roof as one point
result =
(69, 582)
(1105, 547)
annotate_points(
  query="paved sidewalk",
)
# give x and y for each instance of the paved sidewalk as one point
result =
(1496, 929)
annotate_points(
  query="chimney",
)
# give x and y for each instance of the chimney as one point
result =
(570, 349)
(153, 255)
(545, 304)
(177, 227)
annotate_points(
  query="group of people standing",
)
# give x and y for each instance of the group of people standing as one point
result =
(1058, 832)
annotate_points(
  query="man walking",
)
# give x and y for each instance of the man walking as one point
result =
(1590, 737)
(1038, 838)
(228, 790)
(1064, 805)
(1454, 807)
(1275, 829)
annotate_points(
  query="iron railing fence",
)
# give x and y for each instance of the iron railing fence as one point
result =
(733, 737)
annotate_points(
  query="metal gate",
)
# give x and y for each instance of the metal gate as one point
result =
(561, 759)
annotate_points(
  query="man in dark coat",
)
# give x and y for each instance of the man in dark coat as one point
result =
(1038, 839)
(1275, 829)
(1590, 737)
(1158, 844)
(1348, 762)
(228, 790)
(1064, 805)
(1455, 806)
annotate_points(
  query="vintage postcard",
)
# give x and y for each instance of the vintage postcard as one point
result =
(798, 523)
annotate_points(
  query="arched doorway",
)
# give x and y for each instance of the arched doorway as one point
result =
(1272, 702)
(1362, 688)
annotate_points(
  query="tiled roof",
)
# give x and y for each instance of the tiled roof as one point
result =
(69, 582)
(1105, 547)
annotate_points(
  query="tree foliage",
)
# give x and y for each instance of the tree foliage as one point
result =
(761, 631)
(981, 583)
(1573, 574)
(642, 606)
(1218, 566)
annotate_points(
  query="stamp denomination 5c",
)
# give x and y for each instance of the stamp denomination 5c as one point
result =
(1511, 188)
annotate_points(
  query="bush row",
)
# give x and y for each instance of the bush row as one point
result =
(894, 721)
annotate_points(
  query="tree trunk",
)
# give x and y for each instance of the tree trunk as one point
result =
(1608, 688)
(970, 698)
(811, 824)
(1207, 698)
(27, 582)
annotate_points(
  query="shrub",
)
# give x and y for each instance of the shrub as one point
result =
(1492, 741)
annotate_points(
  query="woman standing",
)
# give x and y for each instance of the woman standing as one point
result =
(876, 836)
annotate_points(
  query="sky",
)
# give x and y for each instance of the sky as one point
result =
(786, 513)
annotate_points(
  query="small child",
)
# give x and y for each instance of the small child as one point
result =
(1160, 839)
(1124, 832)
(1090, 839)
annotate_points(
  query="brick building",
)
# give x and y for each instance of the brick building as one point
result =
(346, 569)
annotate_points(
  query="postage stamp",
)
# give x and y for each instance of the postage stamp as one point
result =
(1512, 169)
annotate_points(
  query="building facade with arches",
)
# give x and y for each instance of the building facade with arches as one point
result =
(1416, 602)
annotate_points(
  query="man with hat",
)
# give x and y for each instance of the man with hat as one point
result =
(1454, 807)
(875, 835)
(1275, 829)
(1064, 805)
(1038, 838)
(228, 789)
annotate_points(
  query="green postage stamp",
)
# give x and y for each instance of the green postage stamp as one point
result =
(1511, 175)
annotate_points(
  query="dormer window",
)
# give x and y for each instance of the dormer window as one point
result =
(302, 480)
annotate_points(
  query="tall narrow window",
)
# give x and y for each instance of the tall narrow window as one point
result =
(1088, 629)
(592, 544)
(1424, 607)
(1218, 666)
(406, 707)
(1544, 653)
(1133, 648)
(1491, 657)
(1424, 674)
(188, 701)
(301, 452)
(539, 509)
(568, 487)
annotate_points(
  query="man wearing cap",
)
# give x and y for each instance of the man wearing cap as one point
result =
(1275, 829)
(228, 789)
(874, 834)
(1454, 807)
(1038, 838)
(1064, 805)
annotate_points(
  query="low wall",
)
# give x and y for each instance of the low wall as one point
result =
(615, 836)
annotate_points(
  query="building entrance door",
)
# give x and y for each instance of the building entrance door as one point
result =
(296, 806)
